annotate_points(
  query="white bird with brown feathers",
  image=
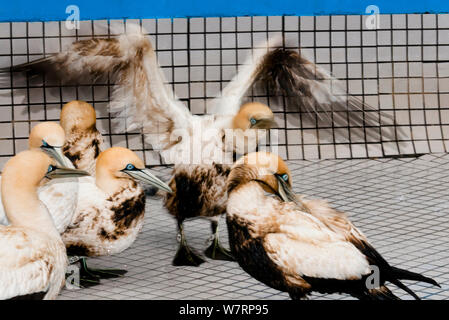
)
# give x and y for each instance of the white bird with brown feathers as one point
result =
(60, 196)
(198, 144)
(296, 245)
(33, 258)
(111, 209)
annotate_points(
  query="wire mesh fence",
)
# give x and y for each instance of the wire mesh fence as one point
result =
(401, 69)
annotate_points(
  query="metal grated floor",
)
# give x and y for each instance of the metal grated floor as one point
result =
(402, 205)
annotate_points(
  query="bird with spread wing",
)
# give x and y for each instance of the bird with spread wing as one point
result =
(202, 147)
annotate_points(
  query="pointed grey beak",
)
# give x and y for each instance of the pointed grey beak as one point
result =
(58, 172)
(55, 153)
(145, 176)
(285, 191)
(264, 123)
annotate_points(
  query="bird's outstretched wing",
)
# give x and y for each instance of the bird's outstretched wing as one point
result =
(310, 89)
(140, 98)
(306, 88)
(231, 97)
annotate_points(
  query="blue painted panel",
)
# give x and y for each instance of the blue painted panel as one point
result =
(45, 10)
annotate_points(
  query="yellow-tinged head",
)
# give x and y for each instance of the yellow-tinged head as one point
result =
(77, 115)
(21, 177)
(50, 133)
(253, 115)
(118, 165)
(50, 138)
(26, 170)
(265, 168)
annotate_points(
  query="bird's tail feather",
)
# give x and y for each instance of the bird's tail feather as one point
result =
(409, 275)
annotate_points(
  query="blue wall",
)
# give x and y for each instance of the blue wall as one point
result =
(45, 10)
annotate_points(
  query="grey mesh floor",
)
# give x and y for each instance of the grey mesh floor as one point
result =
(402, 205)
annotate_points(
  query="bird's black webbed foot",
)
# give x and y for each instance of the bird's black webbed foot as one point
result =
(185, 256)
(217, 252)
(90, 277)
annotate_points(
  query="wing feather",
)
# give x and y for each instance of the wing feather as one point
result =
(304, 246)
(140, 99)
(230, 99)
(309, 88)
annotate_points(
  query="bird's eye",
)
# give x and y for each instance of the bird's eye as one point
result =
(253, 121)
(129, 166)
(45, 144)
(50, 168)
(285, 177)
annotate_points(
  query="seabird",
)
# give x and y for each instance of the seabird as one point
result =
(111, 208)
(33, 258)
(298, 246)
(60, 196)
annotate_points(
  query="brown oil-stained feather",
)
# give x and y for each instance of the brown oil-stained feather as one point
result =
(82, 148)
(198, 191)
(252, 257)
(308, 88)
(127, 212)
(109, 227)
(78, 249)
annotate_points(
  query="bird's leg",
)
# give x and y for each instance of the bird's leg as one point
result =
(185, 256)
(215, 250)
(86, 279)
(92, 276)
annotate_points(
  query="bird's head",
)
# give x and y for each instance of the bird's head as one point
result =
(21, 177)
(28, 168)
(249, 126)
(77, 115)
(120, 164)
(49, 137)
(265, 168)
(253, 115)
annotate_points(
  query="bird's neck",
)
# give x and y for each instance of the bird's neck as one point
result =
(111, 184)
(24, 209)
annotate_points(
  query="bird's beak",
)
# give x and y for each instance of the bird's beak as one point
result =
(55, 153)
(59, 172)
(285, 192)
(264, 123)
(145, 176)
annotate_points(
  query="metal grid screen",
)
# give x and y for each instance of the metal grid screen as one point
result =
(401, 68)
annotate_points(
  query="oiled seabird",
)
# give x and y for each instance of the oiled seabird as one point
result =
(33, 257)
(141, 99)
(60, 196)
(300, 247)
(111, 208)
(83, 141)
(200, 191)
